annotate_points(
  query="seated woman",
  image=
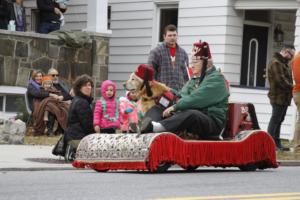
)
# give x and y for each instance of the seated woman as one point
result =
(35, 95)
(202, 108)
(80, 117)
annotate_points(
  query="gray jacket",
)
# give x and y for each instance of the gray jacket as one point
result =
(160, 60)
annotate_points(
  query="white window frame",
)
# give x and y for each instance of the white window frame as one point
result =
(158, 6)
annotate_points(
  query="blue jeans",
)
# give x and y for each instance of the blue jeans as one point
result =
(47, 27)
(278, 114)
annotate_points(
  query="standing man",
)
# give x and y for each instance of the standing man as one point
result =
(51, 14)
(296, 97)
(280, 92)
(169, 60)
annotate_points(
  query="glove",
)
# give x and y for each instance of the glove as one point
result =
(128, 110)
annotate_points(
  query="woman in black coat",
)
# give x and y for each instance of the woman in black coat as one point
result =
(35, 95)
(80, 117)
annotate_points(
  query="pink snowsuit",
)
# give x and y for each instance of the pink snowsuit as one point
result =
(126, 118)
(111, 117)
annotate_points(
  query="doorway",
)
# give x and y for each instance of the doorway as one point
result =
(254, 56)
(167, 16)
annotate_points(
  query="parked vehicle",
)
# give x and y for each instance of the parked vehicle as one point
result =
(11, 98)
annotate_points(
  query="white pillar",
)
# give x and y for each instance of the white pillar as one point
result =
(97, 16)
(297, 47)
(297, 30)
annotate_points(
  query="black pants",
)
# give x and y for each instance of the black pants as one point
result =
(278, 115)
(192, 121)
(108, 130)
(155, 113)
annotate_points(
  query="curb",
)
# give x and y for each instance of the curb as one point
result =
(282, 163)
(289, 163)
(37, 169)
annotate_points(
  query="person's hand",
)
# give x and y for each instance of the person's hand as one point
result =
(72, 94)
(62, 6)
(68, 102)
(168, 112)
(57, 11)
(54, 96)
(128, 110)
(97, 129)
(60, 98)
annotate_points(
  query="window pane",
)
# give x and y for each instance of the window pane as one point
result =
(14, 103)
(1, 103)
(167, 16)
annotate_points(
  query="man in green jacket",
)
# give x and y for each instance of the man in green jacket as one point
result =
(202, 108)
(280, 92)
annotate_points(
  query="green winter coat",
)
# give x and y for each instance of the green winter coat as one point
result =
(280, 81)
(210, 97)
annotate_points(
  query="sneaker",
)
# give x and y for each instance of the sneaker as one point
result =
(133, 127)
(50, 133)
(147, 126)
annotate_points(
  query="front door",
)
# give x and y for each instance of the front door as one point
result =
(254, 55)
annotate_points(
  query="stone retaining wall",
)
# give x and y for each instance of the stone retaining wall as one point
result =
(21, 52)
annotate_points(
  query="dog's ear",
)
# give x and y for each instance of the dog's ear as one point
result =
(148, 89)
(146, 82)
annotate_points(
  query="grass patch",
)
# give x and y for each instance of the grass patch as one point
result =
(288, 155)
(41, 140)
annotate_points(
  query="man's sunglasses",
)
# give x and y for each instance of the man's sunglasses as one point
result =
(53, 75)
(290, 53)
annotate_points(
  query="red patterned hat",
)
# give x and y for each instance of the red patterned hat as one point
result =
(143, 71)
(199, 50)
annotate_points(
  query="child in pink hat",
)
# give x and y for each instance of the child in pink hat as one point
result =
(106, 113)
(128, 110)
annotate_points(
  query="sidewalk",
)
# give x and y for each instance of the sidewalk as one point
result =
(30, 158)
(39, 157)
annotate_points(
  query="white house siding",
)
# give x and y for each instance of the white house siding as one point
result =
(297, 30)
(220, 25)
(263, 109)
(266, 4)
(75, 16)
(131, 39)
(287, 19)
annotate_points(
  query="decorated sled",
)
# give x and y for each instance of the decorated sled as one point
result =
(242, 146)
